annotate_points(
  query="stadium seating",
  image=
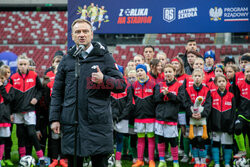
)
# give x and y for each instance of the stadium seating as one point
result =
(33, 27)
(42, 55)
(124, 53)
(207, 38)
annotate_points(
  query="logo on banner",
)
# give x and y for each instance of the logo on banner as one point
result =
(169, 14)
(215, 13)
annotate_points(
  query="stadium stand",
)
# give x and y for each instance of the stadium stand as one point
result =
(207, 38)
(33, 27)
(42, 55)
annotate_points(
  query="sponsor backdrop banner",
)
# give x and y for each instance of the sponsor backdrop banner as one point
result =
(162, 16)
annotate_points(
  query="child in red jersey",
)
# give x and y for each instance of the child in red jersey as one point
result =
(6, 96)
(209, 58)
(242, 123)
(218, 70)
(8, 141)
(27, 87)
(181, 78)
(168, 96)
(155, 72)
(244, 60)
(198, 145)
(144, 112)
(222, 120)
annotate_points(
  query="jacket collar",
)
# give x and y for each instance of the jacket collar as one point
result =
(222, 93)
(248, 82)
(170, 83)
(198, 88)
(97, 50)
(21, 73)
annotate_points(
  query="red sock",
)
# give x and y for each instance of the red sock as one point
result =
(140, 148)
(161, 149)
(151, 148)
(174, 152)
(22, 151)
(118, 155)
(39, 153)
(1, 151)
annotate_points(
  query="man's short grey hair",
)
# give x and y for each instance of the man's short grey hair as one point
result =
(81, 21)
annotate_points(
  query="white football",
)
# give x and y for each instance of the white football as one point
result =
(27, 161)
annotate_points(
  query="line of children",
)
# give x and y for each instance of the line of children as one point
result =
(218, 89)
(155, 108)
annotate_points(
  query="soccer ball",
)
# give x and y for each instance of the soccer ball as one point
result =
(27, 161)
(241, 162)
(111, 161)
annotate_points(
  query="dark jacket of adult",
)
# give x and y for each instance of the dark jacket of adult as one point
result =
(189, 70)
(1, 63)
(95, 130)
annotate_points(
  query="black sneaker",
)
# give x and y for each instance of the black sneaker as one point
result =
(42, 163)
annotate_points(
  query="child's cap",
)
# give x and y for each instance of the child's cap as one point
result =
(120, 68)
(245, 57)
(209, 53)
(229, 59)
(219, 66)
(142, 66)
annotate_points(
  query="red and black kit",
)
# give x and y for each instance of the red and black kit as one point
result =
(191, 94)
(119, 104)
(168, 105)
(223, 111)
(26, 88)
(243, 99)
(143, 95)
(6, 96)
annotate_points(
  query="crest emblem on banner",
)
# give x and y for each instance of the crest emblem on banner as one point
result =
(215, 13)
(169, 14)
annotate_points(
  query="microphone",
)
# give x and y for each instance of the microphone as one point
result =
(79, 50)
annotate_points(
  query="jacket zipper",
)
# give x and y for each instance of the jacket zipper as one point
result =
(23, 84)
(221, 103)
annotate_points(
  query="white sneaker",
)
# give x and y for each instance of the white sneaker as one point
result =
(240, 154)
(169, 159)
(146, 160)
(134, 160)
(227, 165)
(185, 159)
(217, 165)
(118, 163)
(180, 152)
(168, 155)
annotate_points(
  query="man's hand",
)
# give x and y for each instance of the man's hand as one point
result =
(55, 126)
(196, 116)
(39, 135)
(165, 90)
(97, 77)
(33, 101)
